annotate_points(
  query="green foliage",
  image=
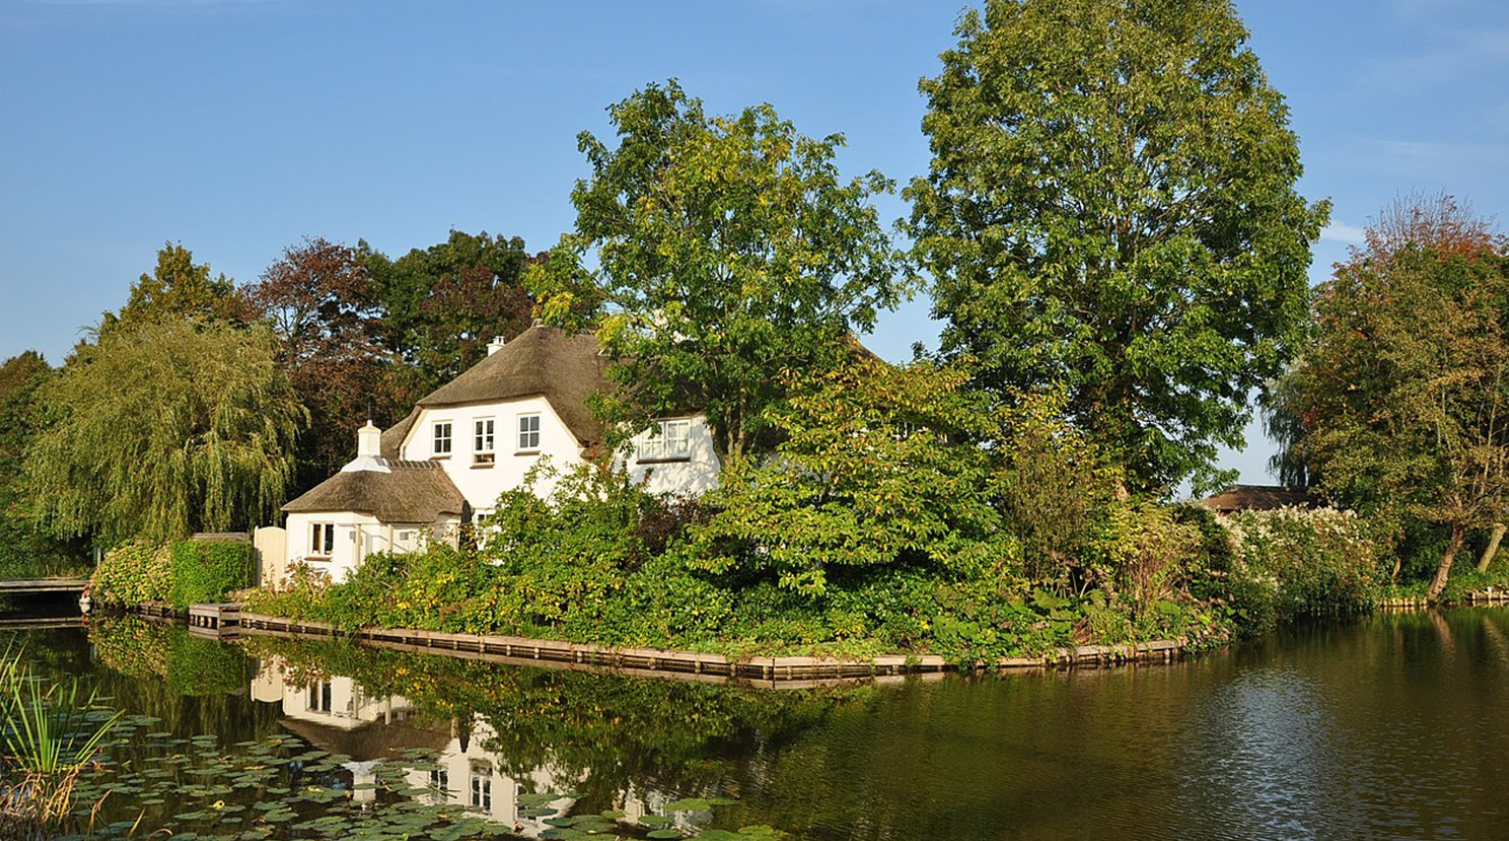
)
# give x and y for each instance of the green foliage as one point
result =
(1403, 391)
(875, 468)
(133, 574)
(301, 596)
(161, 430)
(178, 290)
(1111, 210)
(727, 248)
(26, 551)
(203, 571)
(445, 303)
(1143, 555)
(1294, 562)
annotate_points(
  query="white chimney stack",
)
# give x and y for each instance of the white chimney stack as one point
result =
(496, 345)
(368, 451)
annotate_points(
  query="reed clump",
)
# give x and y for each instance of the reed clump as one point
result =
(50, 733)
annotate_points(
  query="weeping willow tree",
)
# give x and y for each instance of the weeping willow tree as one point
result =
(163, 429)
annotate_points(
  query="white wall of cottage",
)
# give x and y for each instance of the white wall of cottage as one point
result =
(482, 482)
(696, 474)
(356, 537)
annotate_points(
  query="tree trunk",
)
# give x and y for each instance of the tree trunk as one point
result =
(1447, 557)
(1493, 547)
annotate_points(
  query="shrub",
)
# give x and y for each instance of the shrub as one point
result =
(204, 571)
(133, 574)
(1296, 562)
(302, 595)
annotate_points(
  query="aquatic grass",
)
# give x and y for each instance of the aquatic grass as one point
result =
(51, 732)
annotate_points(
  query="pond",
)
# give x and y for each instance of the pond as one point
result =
(1387, 727)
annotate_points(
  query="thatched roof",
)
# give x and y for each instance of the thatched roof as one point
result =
(1256, 498)
(417, 492)
(541, 362)
(392, 437)
(370, 741)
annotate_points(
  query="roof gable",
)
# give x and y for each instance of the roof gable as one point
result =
(541, 361)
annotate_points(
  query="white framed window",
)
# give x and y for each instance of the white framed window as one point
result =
(529, 433)
(482, 786)
(441, 439)
(483, 442)
(321, 540)
(440, 781)
(669, 440)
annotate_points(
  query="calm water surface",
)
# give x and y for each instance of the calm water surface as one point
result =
(1391, 727)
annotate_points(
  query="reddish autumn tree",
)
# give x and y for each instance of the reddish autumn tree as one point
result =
(1402, 400)
(323, 307)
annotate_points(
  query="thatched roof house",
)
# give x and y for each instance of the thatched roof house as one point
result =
(542, 362)
(477, 436)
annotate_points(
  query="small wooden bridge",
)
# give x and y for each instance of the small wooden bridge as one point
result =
(38, 586)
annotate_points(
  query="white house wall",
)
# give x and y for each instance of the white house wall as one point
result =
(356, 537)
(697, 474)
(482, 484)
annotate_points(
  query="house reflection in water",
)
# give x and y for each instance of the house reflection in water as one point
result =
(335, 715)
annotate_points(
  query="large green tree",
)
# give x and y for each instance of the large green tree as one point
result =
(1403, 398)
(445, 303)
(1111, 209)
(162, 429)
(727, 249)
(25, 550)
(180, 288)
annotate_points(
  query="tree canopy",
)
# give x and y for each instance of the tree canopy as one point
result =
(163, 429)
(446, 302)
(1403, 398)
(1110, 209)
(321, 304)
(179, 288)
(24, 550)
(727, 249)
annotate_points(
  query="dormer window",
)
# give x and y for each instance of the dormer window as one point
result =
(441, 447)
(529, 433)
(484, 447)
(669, 440)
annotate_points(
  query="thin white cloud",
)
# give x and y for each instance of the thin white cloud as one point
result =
(1343, 233)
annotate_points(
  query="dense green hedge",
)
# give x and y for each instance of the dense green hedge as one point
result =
(204, 571)
(132, 574)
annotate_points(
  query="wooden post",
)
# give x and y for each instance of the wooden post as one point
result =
(1493, 547)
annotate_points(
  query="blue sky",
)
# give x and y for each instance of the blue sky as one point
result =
(236, 127)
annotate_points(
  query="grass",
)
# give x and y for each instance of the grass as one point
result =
(51, 732)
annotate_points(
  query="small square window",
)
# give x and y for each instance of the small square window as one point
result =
(529, 433)
(442, 445)
(322, 540)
